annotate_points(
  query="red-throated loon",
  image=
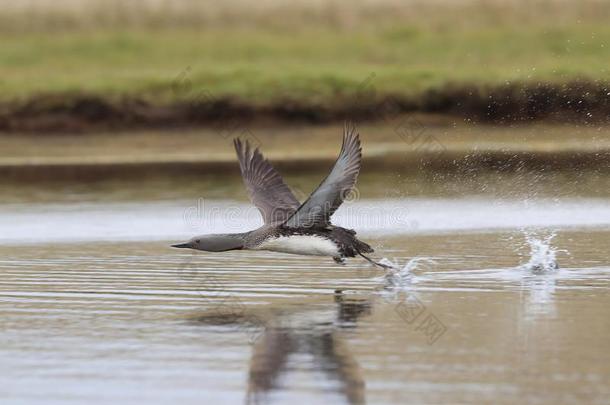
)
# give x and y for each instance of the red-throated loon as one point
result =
(291, 227)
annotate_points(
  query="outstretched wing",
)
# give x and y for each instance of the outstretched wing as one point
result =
(267, 190)
(329, 195)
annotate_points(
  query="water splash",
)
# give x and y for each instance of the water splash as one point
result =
(542, 254)
(399, 276)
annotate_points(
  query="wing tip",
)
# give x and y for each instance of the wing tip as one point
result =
(350, 132)
(351, 138)
(237, 144)
(250, 150)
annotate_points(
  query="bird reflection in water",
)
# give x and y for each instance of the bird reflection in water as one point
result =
(288, 335)
(321, 338)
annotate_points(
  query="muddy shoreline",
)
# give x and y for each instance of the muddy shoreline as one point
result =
(581, 102)
(433, 161)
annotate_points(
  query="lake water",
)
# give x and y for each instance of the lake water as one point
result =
(95, 307)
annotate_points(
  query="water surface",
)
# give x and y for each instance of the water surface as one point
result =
(96, 307)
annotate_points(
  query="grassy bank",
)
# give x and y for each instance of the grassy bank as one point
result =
(324, 62)
(310, 66)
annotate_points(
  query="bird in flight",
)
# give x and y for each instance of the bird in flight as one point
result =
(289, 226)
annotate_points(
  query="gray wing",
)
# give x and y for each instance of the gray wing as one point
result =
(267, 190)
(329, 195)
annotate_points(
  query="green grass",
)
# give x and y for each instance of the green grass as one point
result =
(314, 65)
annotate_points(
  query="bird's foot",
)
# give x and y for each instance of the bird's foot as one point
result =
(339, 260)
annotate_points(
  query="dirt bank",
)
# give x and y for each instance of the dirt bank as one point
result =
(580, 102)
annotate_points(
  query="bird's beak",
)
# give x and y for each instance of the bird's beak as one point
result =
(182, 245)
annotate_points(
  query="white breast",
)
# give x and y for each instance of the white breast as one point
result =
(302, 245)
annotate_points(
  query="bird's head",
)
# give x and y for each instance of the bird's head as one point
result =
(214, 242)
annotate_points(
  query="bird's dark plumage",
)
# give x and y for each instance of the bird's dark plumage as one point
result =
(267, 190)
(289, 226)
(324, 201)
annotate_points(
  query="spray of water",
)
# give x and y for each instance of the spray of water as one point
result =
(399, 276)
(542, 254)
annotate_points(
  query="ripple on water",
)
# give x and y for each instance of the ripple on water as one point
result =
(208, 325)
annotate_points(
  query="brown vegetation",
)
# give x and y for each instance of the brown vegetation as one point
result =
(577, 102)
